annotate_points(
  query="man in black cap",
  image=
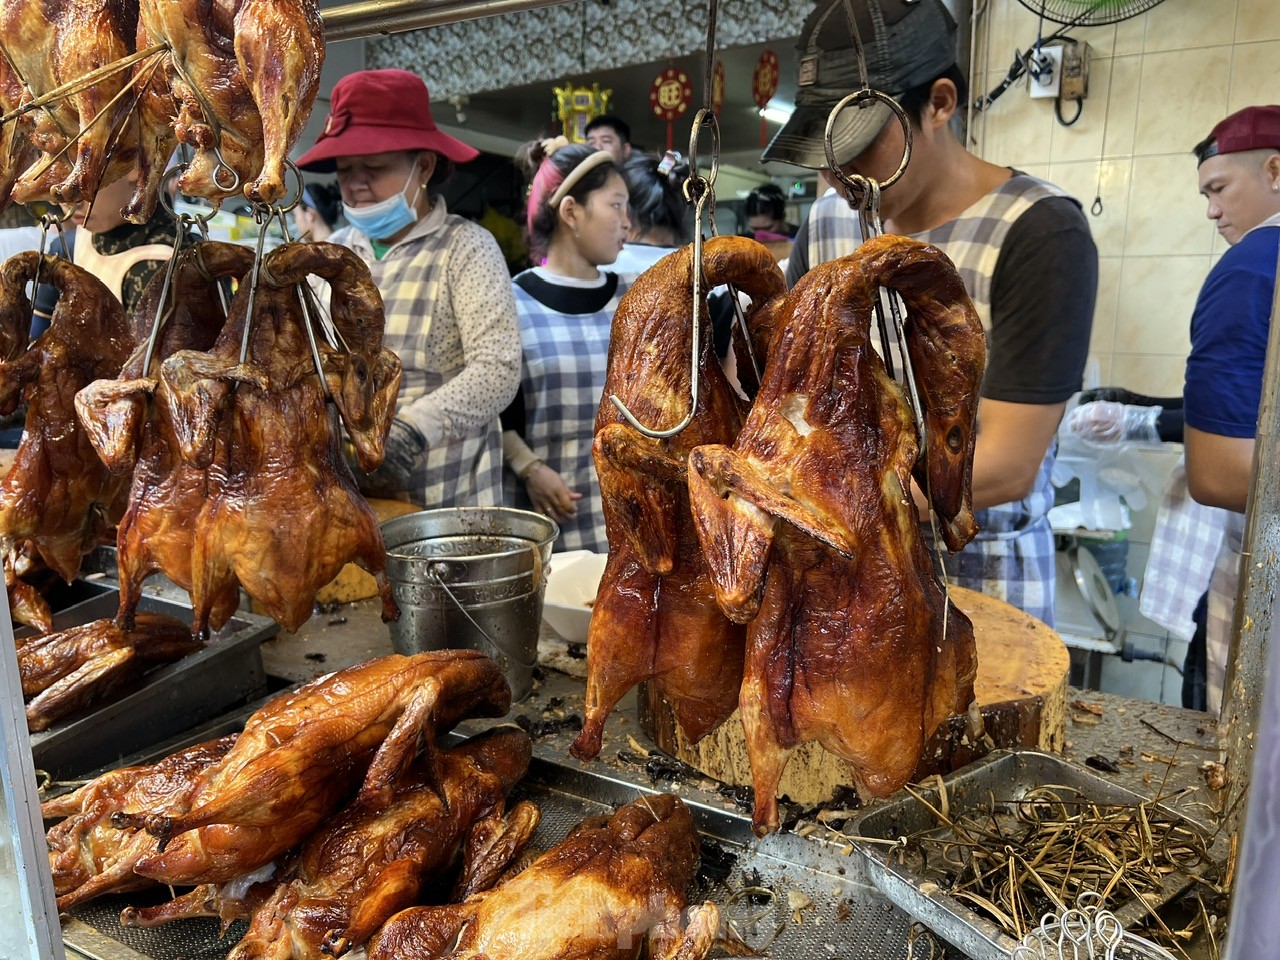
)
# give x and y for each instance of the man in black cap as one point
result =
(1021, 245)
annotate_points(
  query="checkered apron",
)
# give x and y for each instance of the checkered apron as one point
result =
(465, 472)
(1221, 610)
(1012, 556)
(562, 375)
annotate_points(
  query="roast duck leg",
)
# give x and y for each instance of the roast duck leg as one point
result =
(811, 534)
(131, 427)
(281, 514)
(374, 859)
(304, 752)
(243, 76)
(612, 887)
(58, 501)
(655, 616)
(90, 856)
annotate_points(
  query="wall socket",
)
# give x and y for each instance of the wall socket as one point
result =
(1049, 80)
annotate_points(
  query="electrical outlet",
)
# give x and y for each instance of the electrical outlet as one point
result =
(1045, 73)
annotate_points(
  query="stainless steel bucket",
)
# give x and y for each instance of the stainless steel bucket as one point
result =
(471, 577)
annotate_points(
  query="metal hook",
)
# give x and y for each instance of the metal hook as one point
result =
(262, 218)
(857, 99)
(162, 313)
(223, 165)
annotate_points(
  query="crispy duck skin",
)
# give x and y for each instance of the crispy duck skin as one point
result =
(49, 43)
(655, 615)
(283, 514)
(89, 856)
(613, 886)
(809, 527)
(373, 859)
(131, 428)
(62, 672)
(243, 76)
(58, 501)
(304, 752)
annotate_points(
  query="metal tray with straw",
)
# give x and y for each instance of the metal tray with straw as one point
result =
(981, 856)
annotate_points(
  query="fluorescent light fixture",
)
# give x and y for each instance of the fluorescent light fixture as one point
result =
(776, 112)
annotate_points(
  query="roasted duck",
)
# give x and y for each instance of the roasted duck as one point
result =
(88, 855)
(283, 514)
(809, 527)
(655, 615)
(372, 859)
(304, 752)
(133, 431)
(64, 671)
(58, 501)
(242, 75)
(86, 137)
(613, 886)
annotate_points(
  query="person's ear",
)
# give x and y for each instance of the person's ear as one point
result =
(1271, 169)
(570, 213)
(943, 100)
(426, 165)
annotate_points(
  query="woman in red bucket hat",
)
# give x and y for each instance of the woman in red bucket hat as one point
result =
(451, 316)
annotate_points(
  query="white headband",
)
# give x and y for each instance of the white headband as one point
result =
(577, 173)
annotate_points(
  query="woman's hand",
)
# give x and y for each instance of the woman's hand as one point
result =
(550, 494)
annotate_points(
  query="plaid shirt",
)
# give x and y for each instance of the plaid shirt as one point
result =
(1012, 557)
(452, 321)
(566, 357)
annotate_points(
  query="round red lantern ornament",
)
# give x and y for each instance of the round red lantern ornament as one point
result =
(670, 96)
(764, 84)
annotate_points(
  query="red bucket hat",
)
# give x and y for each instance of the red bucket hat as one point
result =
(377, 111)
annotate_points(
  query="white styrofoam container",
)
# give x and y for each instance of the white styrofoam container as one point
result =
(571, 589)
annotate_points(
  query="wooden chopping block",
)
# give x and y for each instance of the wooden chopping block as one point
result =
(1021, 688)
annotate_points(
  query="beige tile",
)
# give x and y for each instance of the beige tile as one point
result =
(1257, 20)
(1183, 93)
(1255, 74)
(1101, 340)
(1083, 182)
(1097, 370)
(1166, 212)
(1186, 24)
(1010, 27)
(1153, 375)
(1083, 139)
(1019, 130)
(1040, 170)
(1131, 36)
(1157, 297)
(1122, 105)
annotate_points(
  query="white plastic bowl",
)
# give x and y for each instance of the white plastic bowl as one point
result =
(571, 589)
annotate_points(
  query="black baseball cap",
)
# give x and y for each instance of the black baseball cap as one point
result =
(906, 43)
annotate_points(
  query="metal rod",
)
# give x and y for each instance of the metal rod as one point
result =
(369, 18)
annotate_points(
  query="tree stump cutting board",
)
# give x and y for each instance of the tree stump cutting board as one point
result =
(1021, 688)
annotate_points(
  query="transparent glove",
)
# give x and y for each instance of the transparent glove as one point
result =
(1105, 422)
(404, 448)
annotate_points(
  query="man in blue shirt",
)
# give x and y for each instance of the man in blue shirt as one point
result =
(1239, 170)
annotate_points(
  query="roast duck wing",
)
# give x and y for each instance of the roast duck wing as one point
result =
(281, 513)
(90, 856)
(811, 534)
(655, 616)
(62, 672)
(613, 886)
(376, 858)
(242, 76)
(58, 501)
(64, 150)
(305, 752)
(131, 427)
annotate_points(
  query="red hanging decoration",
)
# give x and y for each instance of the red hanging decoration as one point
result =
(717, 88)
(764, 84)
(670, 97)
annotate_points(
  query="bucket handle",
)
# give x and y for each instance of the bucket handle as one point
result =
(435, 578)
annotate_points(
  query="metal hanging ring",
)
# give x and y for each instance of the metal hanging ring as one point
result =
(703, 118)
(854, 99)
(182, 219)
(217, 171)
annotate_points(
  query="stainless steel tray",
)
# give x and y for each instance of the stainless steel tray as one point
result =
(1006, 776)
(162, 703)
(842, 922)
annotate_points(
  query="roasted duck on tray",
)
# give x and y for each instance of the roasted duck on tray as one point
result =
(612, 887)
(655, 616)
(374, 859)
(812, 536)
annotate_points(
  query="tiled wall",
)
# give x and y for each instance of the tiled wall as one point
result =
(1158, 84)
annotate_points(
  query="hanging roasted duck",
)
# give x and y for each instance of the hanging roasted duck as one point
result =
(611, 888)
(655, 616)
(132, 430)
(62, 672)
(236, 84)
(305, 752)
(374, 859)
(282, 514)
(812, 536)
(58, 501)
(89, 856)
(64, 150)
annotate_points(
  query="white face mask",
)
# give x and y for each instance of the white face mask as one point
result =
(386, 218)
